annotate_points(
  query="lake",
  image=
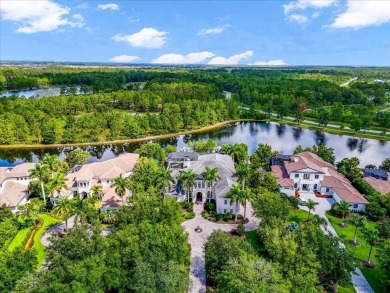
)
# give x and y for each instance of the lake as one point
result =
(282, 138)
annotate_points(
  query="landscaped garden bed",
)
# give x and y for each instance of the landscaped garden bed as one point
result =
(187, 210)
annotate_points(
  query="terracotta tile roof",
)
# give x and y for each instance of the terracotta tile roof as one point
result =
(12, 193)
(111, 199)
(382, 186)
(282, 177)
(21, 170)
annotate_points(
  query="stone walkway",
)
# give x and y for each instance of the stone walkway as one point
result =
(198, 240)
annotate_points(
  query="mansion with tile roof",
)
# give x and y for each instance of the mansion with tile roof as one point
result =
(14, 185)
(308, 173)
(184, 161)
(82, 177)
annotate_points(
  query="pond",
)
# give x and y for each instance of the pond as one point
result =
(282, 138)
(49, 92)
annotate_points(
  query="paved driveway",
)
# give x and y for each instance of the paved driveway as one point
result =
(198, 240)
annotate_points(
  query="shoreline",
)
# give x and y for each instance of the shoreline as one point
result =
(129, 140)
(199, 130)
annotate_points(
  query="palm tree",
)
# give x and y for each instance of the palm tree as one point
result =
(344, 209)
(108, 217)
(242, 172)
(97, 191)
(53, 163)
(236, 195)
(246, 195)
(57, 183)
(121, 184)
(357, 221)
(40, 172)
(320, 221)
(164, 179)
(63, 209)
(311, 206)
(188, 179)
(79, 209)
(30, 211)
(210, 176)
(372, 238)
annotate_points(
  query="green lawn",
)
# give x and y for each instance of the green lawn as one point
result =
(251, 237)
(376, 276)
(19, 238)
(48, 222)
(298, 216)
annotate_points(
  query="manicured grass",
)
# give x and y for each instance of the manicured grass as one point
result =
(349, 289)
(298, 216)
(253, 240)
(375, 276)
(48, 222)
(19, 238)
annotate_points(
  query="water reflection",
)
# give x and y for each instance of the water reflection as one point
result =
(281, 137)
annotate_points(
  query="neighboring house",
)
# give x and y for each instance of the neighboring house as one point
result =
(377, 173)
(184, 161)
(82, 177)
(14, 185)
(379, 179)
(307, 172)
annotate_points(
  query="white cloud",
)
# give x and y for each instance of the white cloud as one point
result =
(275, 62)
(124, 58)
(232, 60)
(191, 58)
(303, 4)
(134, 19)
(361, 14)
(110, 6)
(214, 31)
(83, 5)
(298, 18)
(38, 16)
(145, 38)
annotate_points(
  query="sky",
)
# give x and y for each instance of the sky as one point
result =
(293, 32)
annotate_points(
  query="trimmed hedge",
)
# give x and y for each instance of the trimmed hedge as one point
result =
(364, 187)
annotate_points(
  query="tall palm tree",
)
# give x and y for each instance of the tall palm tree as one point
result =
(236, 195)
(357, 221)
(311, 206)
(242, 173)
(246, 195)
(210, 176)
(320, 221)
(40, 172)
(30, 211)
(57, 183)
(121, 184)
(188, 179)
(164, 179)
(344, 209)
(97, 191)
(79, 209)
(52, 162)
(63, 209)
(372, 238)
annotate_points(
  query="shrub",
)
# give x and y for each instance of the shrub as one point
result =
(375, 211)
(292, 200)
(240, 229)
(189, 215)
(210, 206)
(384, 228)
(228, 216)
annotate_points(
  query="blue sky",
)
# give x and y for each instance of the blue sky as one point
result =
(295, 32)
